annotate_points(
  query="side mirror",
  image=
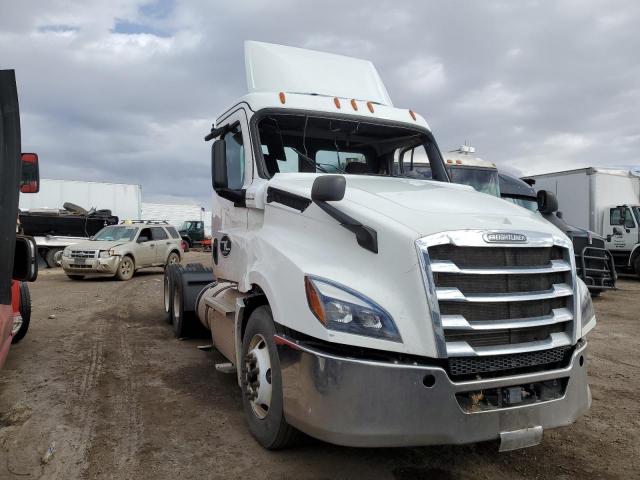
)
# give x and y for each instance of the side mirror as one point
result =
(547, 202)
(30, 177)
(219, 164)
(328, 188)
(25, 264)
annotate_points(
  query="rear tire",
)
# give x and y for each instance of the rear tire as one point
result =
(169, 274)
(267, 425)
(75, 277)
(177, 309)
(126, 268)
(25, 313)
(185, 245)
(50, 257)
(636, 266)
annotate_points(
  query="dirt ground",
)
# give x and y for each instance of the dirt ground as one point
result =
(105, 380)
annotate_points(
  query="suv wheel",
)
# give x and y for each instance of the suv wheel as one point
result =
(173, 259)
(125, 269)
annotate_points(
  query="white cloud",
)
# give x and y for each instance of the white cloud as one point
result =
(423, 75)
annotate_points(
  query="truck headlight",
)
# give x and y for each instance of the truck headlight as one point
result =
(587, 313)
(342, 309)
(105, 253)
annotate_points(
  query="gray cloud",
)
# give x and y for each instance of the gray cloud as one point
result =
(125, 90)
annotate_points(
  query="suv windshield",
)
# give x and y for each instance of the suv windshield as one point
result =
(116, 233)
(302, 143)
(484, 180)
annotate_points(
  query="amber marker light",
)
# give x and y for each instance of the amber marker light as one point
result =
(315, 304)
(336, 101)
(354, 105)
(370, 106)
(413, 114)
(283, 98)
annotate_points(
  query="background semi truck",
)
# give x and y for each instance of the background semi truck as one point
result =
(364, 306)
(18, 172)
(604, 200)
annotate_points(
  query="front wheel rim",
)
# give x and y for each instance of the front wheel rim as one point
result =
(17, 324)
(258, 387)
(125, 267)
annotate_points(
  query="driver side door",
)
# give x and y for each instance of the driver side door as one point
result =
(622, 219)
(145, 249)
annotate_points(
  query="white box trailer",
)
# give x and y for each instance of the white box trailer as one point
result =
(175, 214)
(124, 201)
(604, 200)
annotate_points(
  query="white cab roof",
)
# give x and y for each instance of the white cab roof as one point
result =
(278, 68)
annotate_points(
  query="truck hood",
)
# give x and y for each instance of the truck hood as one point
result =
(423, 205)
(96, 244)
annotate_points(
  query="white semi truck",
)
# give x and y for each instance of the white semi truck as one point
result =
(604, 200)
(363, 307)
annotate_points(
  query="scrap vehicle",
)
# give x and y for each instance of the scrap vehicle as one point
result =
(192, 233)
(605, 201)
(594, 262)
(120, 250)
(55, 229)
(365, 308)
(18, 173)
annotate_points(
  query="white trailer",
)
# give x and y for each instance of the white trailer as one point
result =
(124, 201)
(604, 200)
(176, 214)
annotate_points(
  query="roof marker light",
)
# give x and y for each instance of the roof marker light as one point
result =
(413, 114)
(459, 162)
(354, 105)
(283, 98)
(370, 106)
(336, 100)
(449, 161)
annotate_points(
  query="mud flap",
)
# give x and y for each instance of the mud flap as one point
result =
(527, 437)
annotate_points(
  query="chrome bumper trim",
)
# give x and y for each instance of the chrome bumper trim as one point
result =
(364, 403)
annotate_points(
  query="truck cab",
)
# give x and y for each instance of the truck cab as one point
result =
(620, 226)
(365, 307)
(192, 233)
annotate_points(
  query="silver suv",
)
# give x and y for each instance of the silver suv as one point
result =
(119, 250)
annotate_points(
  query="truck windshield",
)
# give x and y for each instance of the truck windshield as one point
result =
(303, 143)
(527, 203)
(185, 226)
(116, 233)
(484, 180)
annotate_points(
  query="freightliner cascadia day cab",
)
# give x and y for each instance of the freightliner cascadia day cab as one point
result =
(604, 200)
(365, 308)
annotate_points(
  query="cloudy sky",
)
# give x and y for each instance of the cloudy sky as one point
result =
(123, 91)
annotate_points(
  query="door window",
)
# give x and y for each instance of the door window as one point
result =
(172, 232)
(616, 218)
(158, 233)
(146, 233)
(415, 163)
(235, 158)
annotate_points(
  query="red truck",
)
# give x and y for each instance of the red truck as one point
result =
(18, 173)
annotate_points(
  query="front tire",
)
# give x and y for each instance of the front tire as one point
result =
(169, 285)
(25, 313)
(125, 269)
(262, 398)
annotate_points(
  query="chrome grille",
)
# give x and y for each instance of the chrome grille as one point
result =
(84, 253)
(493, 299)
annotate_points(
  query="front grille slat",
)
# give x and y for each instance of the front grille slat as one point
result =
(502, 306)
(84, 253)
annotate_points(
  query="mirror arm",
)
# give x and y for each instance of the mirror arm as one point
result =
(366, 236)
(216, 132)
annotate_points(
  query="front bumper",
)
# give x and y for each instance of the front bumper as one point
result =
(365, 403)
(91, 266)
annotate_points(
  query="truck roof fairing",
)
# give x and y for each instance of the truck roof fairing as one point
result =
(278, 68)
